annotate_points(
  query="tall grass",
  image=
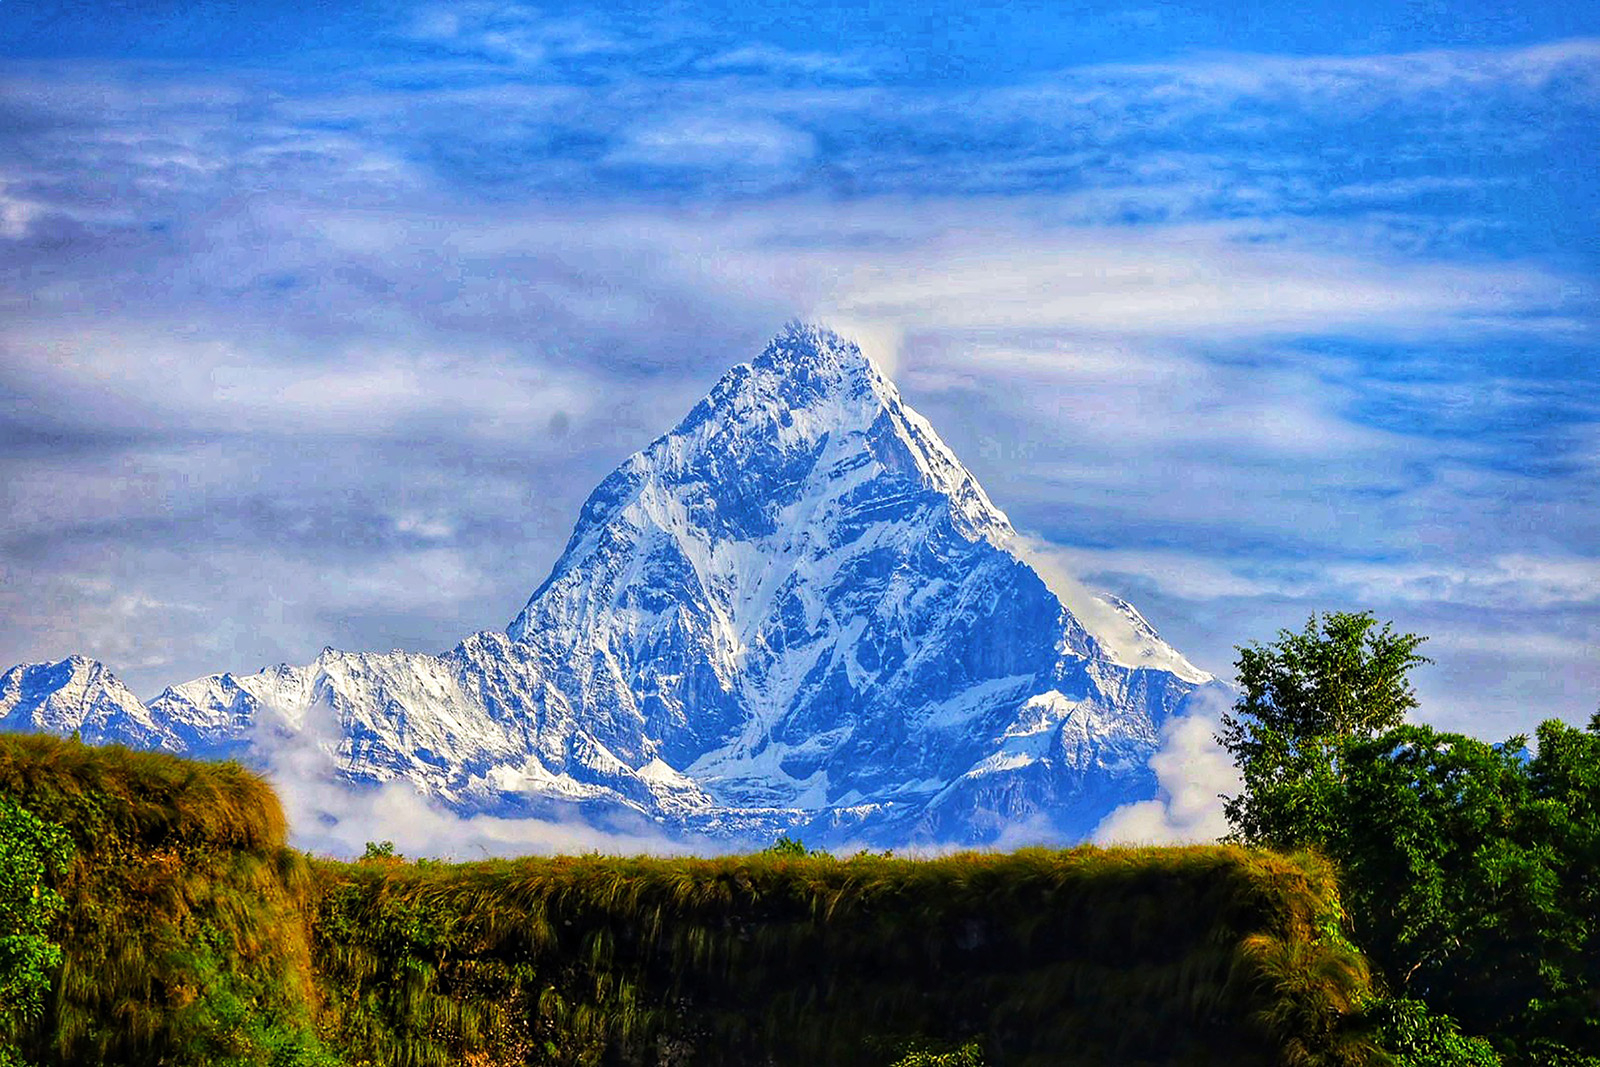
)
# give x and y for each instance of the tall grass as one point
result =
(1144, 956)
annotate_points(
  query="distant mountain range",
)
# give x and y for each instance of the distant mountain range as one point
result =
(795, 612)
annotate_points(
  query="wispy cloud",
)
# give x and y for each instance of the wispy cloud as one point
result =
(1180, 280)
(763, 58)
(1517, 581)
(720, 142)
(1364, 82)
(511, 32)
(133, 376)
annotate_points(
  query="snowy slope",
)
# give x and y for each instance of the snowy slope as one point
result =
(796, 609)
(80, 695)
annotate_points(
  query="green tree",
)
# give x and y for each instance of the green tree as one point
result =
(1304, 699)
(1472, 879)
(1470, 871)
(1443, 874)
(380, 852)
(1417, 1037)
(784, 845)
(30, 850)
(1565, 787)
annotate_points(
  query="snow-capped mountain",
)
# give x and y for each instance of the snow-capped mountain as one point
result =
(796, 610)
(81, 696)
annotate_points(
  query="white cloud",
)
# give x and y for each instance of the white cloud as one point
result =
(1114, 630)
(715, 141)
(1194, 775)
(1170, 281)
(331, 817)
(1553, 651)
(1515, 581)
(879, 341)
(16, 214)
(766, 57)
(1407, 188)
(1114, 397)
(1191, 575)
(135, 375)
(1360, 81)
(509, 32)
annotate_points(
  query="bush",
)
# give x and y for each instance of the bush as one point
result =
(968, 1055)
(31, 851)
(1416, 1037)
(181, 930)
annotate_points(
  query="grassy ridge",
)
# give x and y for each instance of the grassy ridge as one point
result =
(194, 936)
(1157, 956)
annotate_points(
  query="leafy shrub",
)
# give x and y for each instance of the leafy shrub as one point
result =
(968, 1055)
(31, 851)
(181, 928)
(1416, 1037)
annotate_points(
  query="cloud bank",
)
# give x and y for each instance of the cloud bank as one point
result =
(332, 817)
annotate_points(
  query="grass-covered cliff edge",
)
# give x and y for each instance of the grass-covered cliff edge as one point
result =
(191, 934)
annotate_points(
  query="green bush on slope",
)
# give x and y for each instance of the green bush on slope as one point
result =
(30, 851)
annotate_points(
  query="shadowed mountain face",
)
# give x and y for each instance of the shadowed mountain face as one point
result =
(795, 610)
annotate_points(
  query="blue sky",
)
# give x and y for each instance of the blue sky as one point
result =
(318, 322)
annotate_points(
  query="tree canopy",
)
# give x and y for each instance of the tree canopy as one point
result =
(1303, 700)
(1470, 870)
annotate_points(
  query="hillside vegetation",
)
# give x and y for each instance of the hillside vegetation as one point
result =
(190, 934)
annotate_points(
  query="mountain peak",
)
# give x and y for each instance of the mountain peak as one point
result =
(809, 347)
(808, 441)
(78, 693)
(810, 378)
(796, 609)
(800, 598)
(809, 367)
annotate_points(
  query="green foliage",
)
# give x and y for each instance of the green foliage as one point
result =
(380, 852)
(967, 1055)
(1303, 699)
(1471, 871)
(786, 846)
(31, 851)
(1416, 1037)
